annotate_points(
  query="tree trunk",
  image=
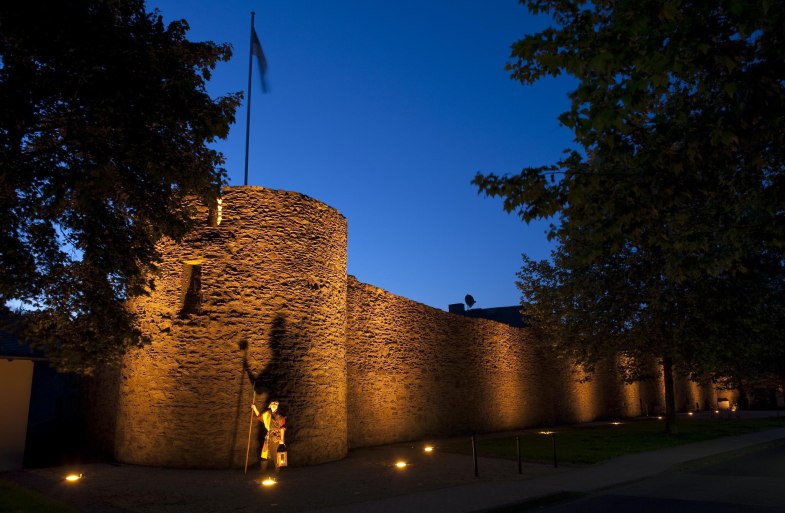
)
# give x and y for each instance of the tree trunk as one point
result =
(744, 402)
(670, 396)
(782, 379)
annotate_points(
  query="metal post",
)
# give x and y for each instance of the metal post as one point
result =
(474, 457)
(518, 450)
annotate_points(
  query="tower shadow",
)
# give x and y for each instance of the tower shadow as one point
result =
(267, 382)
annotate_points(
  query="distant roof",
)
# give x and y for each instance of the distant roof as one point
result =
(10, 347)
(510, 315)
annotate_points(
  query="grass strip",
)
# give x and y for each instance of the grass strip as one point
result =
(537, 503)
(693, 465)
(589, 444)
(15, 499)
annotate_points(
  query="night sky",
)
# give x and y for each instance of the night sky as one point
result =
(385, 111)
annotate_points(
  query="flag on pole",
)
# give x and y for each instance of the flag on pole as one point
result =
(256, 49)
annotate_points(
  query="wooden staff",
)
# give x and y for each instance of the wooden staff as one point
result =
(250, 429)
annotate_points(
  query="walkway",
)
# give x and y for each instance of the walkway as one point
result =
(366, 481)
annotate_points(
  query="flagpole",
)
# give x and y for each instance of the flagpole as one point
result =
(248, 108)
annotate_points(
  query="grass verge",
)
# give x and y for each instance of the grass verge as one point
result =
(538, 503)
(588, 444)
(14, 499)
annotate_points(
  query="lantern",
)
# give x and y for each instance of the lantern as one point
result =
(282, 456)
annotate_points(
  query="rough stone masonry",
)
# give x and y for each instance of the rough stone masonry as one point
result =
(261, 302)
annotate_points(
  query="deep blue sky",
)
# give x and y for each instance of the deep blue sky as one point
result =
(385, 111)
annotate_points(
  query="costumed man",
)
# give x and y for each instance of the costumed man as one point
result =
(274, 424)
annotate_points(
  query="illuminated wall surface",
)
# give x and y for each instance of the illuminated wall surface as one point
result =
(16, 377)
(352, 364)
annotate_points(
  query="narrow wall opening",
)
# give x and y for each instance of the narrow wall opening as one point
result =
(191, 296)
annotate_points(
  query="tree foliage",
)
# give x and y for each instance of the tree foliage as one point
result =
(104, 130)
(670, 211)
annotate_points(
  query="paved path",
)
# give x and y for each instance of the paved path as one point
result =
(751, 480)
(620, 471)
(367, 475)
(366, 481)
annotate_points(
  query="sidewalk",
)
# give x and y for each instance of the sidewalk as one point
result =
(366, 481)
(490, 495)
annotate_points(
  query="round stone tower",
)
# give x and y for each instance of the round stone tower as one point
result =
(251, 305)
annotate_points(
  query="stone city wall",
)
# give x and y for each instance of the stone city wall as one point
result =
(260, 303)
(416, 372)
(267, 303)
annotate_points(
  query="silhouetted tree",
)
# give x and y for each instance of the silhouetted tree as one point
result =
(673, 205)
(104, 129)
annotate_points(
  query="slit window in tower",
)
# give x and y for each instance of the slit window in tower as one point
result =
(192, 296)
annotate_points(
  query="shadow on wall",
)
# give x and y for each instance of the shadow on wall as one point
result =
(267, 383)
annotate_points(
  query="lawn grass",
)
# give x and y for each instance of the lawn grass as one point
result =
(588, 444)
(14, 499)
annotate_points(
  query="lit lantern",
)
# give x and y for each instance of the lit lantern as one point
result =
(428, 448)
(401, 464)
(282, 457)
(268, 482)
(72, 478)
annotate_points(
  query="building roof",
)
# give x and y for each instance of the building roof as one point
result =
(510, 315)
(11, 347)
